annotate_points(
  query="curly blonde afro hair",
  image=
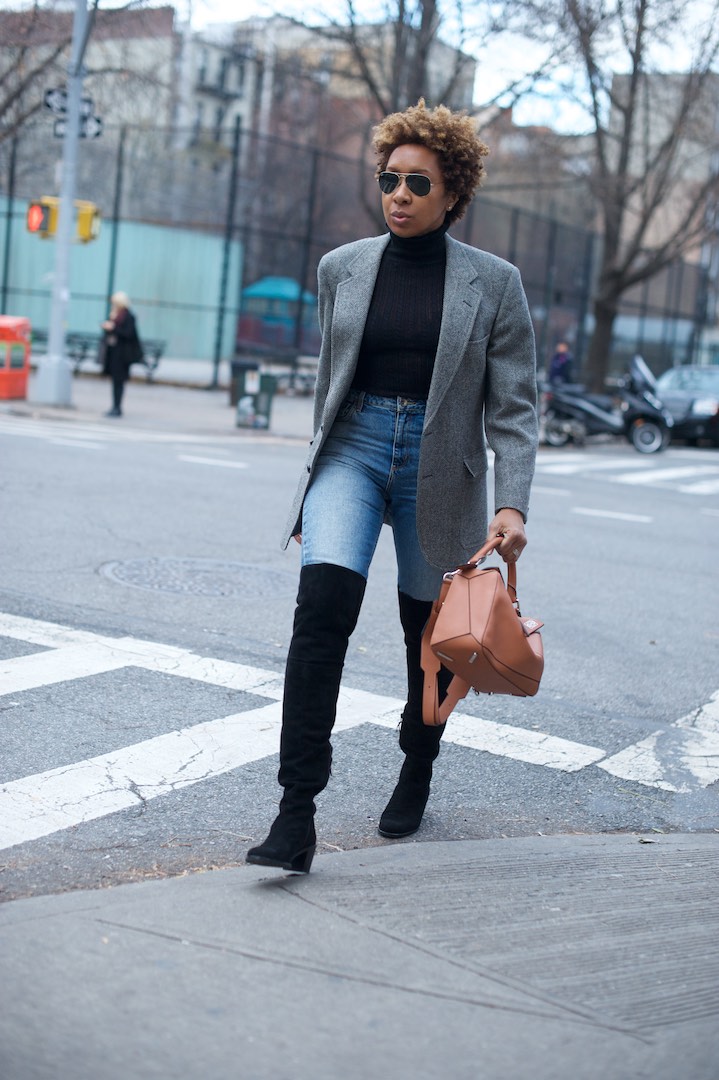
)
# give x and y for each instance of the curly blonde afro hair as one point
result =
(451, 135)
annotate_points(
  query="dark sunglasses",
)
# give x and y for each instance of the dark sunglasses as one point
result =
(417, 183)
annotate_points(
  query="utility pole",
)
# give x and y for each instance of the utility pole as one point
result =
(53, 384)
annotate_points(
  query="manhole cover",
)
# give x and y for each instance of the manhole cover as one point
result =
(200, 577)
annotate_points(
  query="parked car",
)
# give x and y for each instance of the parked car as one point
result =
(691, 394)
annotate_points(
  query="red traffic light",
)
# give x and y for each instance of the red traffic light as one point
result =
(37, 216)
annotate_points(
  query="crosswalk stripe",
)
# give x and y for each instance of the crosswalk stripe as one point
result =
(212, 461)
(613, 515)
(683, 472)
(704, 487)
(567, 468)
(57, 666)
(677, 758)
(38, 805)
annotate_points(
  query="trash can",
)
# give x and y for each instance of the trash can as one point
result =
(241, 371)
(14, 356)
(251, 393)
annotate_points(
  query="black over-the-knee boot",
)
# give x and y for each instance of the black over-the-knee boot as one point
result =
(403, 814)
(328, 604)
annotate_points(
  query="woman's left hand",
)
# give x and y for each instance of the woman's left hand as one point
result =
(508, 524)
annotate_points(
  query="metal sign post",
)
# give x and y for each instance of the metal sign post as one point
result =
(53, 384)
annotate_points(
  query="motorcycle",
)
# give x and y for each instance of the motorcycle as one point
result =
(568, 412)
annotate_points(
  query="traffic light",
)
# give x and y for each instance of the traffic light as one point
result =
(88, 221)
(42, 216)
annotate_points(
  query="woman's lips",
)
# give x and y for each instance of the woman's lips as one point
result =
(399, 217)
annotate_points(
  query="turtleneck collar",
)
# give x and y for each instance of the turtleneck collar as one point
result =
(428, 246)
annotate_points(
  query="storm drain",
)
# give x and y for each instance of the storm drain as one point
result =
(200, 577)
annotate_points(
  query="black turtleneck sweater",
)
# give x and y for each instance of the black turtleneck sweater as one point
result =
(400, 339)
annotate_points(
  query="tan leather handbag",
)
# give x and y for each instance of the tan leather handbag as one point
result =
(477, 632)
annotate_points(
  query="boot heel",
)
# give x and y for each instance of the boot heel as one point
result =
(286, 846)
(302, 861)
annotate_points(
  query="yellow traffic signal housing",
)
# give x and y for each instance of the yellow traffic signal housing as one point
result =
(88, 221)
(42, 216)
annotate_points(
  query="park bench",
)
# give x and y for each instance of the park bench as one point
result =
(82, 347)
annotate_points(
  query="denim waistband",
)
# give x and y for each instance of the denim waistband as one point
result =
(361, 398)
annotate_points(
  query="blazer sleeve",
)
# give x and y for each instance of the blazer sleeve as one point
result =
(325, 306)
(511, 398)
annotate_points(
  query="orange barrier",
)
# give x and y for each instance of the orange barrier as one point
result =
(14, 356)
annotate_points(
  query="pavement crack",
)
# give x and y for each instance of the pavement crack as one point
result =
(133, 787)
(365, 980)
(573, 1012)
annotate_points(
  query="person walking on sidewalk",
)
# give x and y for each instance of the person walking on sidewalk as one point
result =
(427, 344)
(121, 346)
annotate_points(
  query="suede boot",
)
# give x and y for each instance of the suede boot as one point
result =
(403, 814)
(328, 605)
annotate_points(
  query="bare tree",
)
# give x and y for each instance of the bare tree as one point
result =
(35, 48)
(30, 55)
(655, 134)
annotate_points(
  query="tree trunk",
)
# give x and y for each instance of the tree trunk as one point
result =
(605, 312)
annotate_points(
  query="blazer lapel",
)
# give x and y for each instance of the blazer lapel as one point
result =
(352, 301)
(462, 297)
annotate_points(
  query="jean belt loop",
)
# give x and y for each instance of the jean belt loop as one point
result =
(360, 401)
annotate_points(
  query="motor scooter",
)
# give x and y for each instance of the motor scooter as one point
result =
(569, 413)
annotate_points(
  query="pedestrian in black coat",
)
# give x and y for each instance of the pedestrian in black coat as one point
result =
(121, 346)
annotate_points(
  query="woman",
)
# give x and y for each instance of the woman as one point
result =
(426, 344)
(122, 347)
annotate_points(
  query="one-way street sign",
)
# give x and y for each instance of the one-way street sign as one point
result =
(56, 101)
(90, 127)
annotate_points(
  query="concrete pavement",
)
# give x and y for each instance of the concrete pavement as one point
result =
(550, 958)
(178, 400)
(536, 958)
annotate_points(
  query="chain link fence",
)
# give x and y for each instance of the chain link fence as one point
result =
(218, 242)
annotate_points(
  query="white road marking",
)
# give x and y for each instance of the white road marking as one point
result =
(56, 666)
(60, 798)
(520, 744)
(48, 429)
(710, 510)
(79, 443)
(704, 487)
(676, 759)
(683, 472)
(614, 515)
(567, 468)
(212, 461)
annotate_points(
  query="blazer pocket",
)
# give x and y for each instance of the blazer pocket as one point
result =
(479, 342)
(476, 463)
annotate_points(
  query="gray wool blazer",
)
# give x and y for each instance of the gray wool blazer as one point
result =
(484, 380)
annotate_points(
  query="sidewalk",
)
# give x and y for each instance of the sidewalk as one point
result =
(536, 958)
(545, 958)
(177, 400)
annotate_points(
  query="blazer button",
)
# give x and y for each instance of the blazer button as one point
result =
(309, 469)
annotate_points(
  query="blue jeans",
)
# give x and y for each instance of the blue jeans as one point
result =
(366, 471)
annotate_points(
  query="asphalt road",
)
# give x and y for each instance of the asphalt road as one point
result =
(144, 601)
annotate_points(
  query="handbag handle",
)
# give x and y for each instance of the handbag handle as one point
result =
(433, 713)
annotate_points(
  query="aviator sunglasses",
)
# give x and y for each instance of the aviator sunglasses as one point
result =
(417, 183)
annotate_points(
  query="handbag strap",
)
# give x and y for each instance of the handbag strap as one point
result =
(432, 712)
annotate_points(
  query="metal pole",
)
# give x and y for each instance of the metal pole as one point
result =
(8, 224)
(306, 245)
(53, 385)
(117, 200)
(226, 252)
